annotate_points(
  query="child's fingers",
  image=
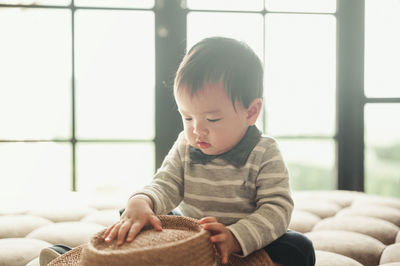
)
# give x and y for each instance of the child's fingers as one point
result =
(108, 230)
(155, 222)
(123, 230)
(223, 252)
(113, 233)
(224, 255)
(133, 231)
(219, 238)
(215, 227)
(209, 219)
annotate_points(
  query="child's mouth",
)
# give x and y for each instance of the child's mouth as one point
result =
(203, 145)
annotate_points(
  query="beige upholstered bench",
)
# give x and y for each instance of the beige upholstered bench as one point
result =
(346, 228)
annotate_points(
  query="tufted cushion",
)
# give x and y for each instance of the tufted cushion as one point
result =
(391, 254)
(340, 197)
(325, 258)
(321, 208)
(61, 213)
(19, 251)
(303, 221)
(362, 248)
(375, 200)
(34, 262)
(20, 225)
(382, 212)
(105, 201)
(68, 233)
(105, 217)
(79, 215)
(376, 228)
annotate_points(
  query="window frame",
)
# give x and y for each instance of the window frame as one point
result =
(170, 46)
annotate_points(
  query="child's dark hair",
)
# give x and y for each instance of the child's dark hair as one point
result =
(218, 58)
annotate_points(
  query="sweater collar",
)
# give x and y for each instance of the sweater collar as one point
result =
(237, 156)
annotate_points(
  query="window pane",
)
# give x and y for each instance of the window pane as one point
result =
(253, 5)
(382, 53)
(116, 3)
(121, 167)
(382, 149)
(115, 74)
(308, 169)
(328, 6)
(37, 2)
(33, 169)
(35, 73)
(300, 76)
(244, 27)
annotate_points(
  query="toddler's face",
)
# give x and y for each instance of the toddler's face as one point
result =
(210, 122)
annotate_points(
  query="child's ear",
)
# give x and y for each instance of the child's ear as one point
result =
(253, 111)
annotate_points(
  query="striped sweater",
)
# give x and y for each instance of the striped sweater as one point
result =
(252, 200)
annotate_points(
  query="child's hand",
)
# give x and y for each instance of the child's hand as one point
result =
(137, 214)
(221, 236)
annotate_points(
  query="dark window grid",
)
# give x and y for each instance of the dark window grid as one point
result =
(382, 100)
(74, 140)
(339, 137)
(264, 12)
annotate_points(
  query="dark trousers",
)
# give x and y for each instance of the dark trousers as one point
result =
(291, 249)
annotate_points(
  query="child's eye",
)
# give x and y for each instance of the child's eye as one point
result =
(188, 119)
(213, 120)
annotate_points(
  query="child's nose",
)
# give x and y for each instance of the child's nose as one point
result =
(199, 129)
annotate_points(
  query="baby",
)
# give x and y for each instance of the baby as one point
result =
(221, 169)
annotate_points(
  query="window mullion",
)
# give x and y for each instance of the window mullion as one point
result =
(170, 30)
(350, 89)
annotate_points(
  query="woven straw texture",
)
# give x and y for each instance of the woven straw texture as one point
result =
(183, 241)
(71, 258)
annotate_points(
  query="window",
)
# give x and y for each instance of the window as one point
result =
(382, 90)
(299, 52)
(77, 95)
(85, 88)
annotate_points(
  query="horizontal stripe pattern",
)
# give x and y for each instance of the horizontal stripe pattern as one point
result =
(253, 201)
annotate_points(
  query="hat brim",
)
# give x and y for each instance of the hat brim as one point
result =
(205, 254)
(73, 258)
(70, 258)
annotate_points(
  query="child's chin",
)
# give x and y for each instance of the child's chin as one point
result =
(211, 152)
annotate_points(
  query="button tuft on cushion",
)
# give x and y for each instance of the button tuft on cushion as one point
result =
(376, 228)
(20, 251)
(71, 234)
(362, 248)
(20, 225)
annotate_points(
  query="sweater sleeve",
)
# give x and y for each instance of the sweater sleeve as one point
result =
(273, 201)
(166, 188)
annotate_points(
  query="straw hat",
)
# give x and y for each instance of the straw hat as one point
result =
(183, 241)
